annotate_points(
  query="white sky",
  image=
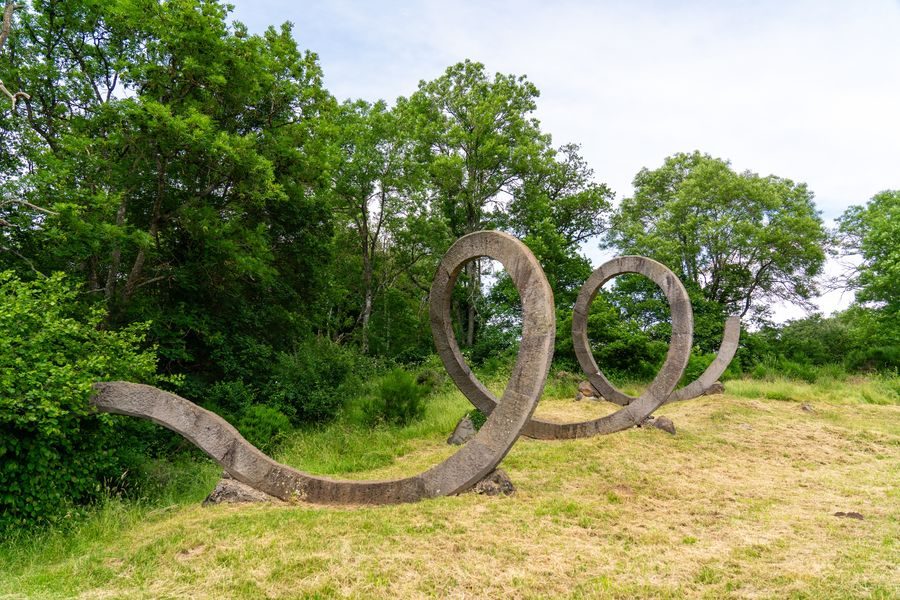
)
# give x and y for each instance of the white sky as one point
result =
(808, 90)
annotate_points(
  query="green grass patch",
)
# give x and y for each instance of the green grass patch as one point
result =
(739, 503)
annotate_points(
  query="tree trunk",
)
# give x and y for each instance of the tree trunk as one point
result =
(137, 268)
(367, 302)
(474, 270)
(115, 258)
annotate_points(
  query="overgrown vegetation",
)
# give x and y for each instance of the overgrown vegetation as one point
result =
(55, 453)
(740, 503)
(184, 201)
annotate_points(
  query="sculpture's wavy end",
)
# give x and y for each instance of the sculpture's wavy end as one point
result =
(727, 349)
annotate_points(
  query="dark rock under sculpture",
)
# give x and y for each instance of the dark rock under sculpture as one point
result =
(463, 432)
(469, 465)
(231, 491)
(496, 483)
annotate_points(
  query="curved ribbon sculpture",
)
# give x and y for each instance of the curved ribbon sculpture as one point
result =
(635, 410)
(470, 464)
(507, 418)
(632, 413)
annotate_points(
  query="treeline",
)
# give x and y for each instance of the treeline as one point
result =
(211, 207)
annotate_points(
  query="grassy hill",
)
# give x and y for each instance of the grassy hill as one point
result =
(740, 503)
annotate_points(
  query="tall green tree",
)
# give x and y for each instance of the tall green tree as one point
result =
(558, 208)
(738, 240)
(478, 137)
(378, 193)
(184, 164)
(872, 232)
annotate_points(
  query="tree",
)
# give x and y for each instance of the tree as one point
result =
(478, 137)
(377, 189)
(187, 167)
(872, 232)
(5, 29)
(557, 208)
(741, 240)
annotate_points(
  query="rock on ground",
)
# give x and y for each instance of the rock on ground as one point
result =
(465, 431)
(716, 388)
(664, 423)
(587, 390)
(231, 491)
(496, 483)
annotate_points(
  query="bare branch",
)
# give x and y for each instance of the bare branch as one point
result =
(29, 205)
(4, 34)
(7, 21)
(25, 260)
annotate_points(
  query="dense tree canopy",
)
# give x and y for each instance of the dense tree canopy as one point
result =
(744, 240)
(873, 233)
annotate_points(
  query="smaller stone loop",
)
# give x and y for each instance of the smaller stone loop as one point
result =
(629, 415)
(679, 347)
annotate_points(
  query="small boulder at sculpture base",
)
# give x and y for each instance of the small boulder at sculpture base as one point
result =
(231, 491)
(587, 390)
(714, 389)
(664, 423)
(465, 431)
(495, 483)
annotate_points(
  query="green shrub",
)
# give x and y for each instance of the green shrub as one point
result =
(400, 400)
(310, 384)
(478, 418)
(229, 398)
(795, 370)
(263, 426)
(55, 451)
(697, 363)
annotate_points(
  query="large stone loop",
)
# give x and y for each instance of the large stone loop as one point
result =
(630, 415)
(470, 464)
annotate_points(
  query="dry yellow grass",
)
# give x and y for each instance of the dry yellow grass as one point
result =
(740, 503)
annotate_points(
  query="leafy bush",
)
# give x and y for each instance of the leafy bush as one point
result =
(229, 398)
(430, 379)
(400, 400)
(697, 363)
(478, 418)
(55, 452)
(264, 426)
(310, 384)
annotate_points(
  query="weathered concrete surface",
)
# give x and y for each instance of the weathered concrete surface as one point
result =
(706, 383)
(469, 465)
(632, 413)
